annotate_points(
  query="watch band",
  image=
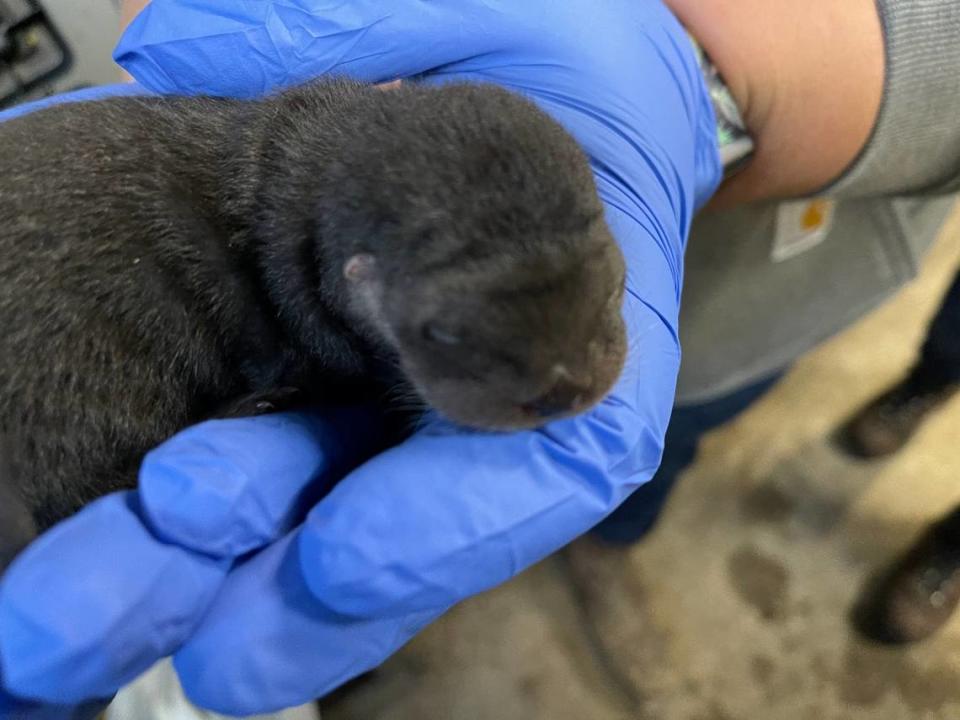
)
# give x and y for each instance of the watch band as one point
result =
(734, 142)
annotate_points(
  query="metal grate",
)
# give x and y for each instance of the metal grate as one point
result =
(31, 50)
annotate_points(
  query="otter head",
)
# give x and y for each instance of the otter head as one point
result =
(478, 252)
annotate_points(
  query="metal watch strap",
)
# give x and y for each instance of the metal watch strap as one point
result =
(734, 142)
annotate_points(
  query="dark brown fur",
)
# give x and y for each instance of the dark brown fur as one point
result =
(162, 257)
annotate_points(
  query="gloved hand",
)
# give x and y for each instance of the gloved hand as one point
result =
(448, 513)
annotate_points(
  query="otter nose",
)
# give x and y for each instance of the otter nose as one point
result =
(563, 396)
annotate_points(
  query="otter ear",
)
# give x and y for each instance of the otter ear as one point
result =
(360, 268)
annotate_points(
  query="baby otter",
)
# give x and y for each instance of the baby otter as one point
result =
(164, 258)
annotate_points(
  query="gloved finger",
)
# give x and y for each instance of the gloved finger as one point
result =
(100, 92)
(227, 487)
(257, 46)
(99, 598)
(95, 601)
(266, 644)
(450, 513)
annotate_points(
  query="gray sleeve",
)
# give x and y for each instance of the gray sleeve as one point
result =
(915, 145)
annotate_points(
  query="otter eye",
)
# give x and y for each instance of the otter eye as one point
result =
(434, 333)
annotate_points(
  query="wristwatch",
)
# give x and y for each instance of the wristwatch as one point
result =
(735, 144)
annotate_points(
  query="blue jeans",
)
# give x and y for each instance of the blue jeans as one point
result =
(940, 357)
(638, 514)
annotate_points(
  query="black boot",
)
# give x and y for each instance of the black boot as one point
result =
(918, 594)
(886, 424)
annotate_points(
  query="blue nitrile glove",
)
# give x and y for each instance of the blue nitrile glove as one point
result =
(448, 513)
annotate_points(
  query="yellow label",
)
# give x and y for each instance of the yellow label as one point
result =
(815, 215)
(801, 226)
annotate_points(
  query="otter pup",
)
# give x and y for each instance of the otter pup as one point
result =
(162, 258)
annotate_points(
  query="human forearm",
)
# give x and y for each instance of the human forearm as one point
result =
(808, 78)
(850, 99)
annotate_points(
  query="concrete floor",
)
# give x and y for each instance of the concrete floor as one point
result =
(735, 608)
